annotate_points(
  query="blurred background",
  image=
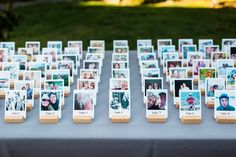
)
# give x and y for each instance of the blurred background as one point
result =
(44, 20)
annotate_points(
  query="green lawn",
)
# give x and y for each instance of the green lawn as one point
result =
(64, 21)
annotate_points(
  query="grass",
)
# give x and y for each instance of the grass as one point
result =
(66, 21)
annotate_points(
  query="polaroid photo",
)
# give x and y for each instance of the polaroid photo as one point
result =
(10, 46)
(87, 84)
(208, 50)
(172, 64)
(152, 83)
(3, 55)
(146, 49)
(233, 52)
(50, 103)
(21, 59)
(222, 64)
(213, 84)
(89, 74)
(119, 65)
(70, 57)
(227, 43)
(165, 49)
(225, 103)
(121, 49)
(62, 74)
(182, 42)
(37, 66)
(47, 59)
(76, 44)
(149, 64)
(35, 76)
(169, 56)
(13, 68)
(190, 103)
(230, 78)
(176, 73)
(98, 43)
(92, 64)
(73, 51)
(4, 80)
(157, 103)
(55, 85)
(192, 56)
(15, 103)
(119, 84)
(187, 49)
(181, 84)
(199, 63)
(147, 57)
(120, 43)
(57, 45)
(28, 86)
(26, 51)
(120, 57)
(216, 56)
(66, 65)
(120, 73)
(144, 42)
(35, 45)
(204, 42)
(163, 42)
(96, 50)
(90, 56)
(204, 73)
(119, 103)
(83, 103)
(52, 52)
(152, 72)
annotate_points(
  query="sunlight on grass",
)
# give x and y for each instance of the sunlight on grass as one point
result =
(180, 3)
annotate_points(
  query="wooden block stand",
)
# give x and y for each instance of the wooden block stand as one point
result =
(195, 81)
(36, 94)
(14, 119)
(2, 94)
(191, 119)
(156, 119)
(29, 106)
(203, 92)
(48, 119)
(82, 119)
(210, 104)
(222, 119)
(120, 119)
(177, 105)
(66, 93)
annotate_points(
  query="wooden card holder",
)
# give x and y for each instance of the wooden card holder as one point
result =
(54, 67)
(42, 84)
(210, 104)
(177, 105)
(190, 73)
(20, 76)
(29, 107)
(66, 93)
(156, 119)
(11, 84)
(191, 119)
(223, 119)
(120, 119)
(14, 119)
(36, 94)
(172, 93)
(195, 81)
(203, 92)
(48, 119)
(2, 94)
(82, 119)
(1, 66)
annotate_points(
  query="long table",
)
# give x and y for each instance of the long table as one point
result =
(103, 138)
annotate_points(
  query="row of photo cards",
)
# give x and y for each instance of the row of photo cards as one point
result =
(119, 91)
(207, 69)
(84, 97)
(154, 95)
